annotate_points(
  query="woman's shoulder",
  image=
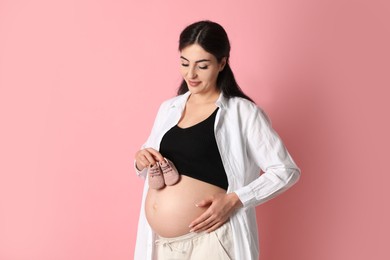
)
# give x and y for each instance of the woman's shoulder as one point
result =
(242, 104)
(247, 108)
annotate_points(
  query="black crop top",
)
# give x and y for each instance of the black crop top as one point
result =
(194, 152)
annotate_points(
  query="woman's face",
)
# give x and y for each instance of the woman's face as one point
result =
(200, 69)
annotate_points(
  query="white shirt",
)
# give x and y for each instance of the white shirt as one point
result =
(247, 144)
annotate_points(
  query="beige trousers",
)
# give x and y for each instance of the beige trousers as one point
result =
(216, 245)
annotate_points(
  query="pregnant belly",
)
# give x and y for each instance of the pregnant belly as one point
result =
(170, 210)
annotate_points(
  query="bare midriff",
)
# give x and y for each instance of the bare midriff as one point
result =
(170, 210)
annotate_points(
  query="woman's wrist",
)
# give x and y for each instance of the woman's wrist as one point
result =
(236, 200)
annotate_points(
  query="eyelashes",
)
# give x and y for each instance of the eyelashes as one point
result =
(200, 67)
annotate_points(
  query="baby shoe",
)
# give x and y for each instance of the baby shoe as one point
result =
(156, 179)
(171, 176)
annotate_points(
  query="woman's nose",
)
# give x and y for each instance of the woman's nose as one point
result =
(191, 72)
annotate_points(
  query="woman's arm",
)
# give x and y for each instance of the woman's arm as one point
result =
(268, 151)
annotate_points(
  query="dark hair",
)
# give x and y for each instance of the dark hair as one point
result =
(213, 39)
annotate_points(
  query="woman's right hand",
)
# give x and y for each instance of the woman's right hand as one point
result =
(146, 157)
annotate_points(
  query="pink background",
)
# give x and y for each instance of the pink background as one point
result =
(80, 83)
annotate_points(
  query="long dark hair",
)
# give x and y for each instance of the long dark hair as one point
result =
(213, 39)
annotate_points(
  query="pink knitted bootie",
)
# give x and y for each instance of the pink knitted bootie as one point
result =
(155, 176)
(171, 176)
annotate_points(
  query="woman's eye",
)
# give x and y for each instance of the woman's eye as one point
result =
(184, 65)
(203, 67)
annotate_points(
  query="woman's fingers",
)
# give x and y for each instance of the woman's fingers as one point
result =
(147, 156)
(214, 227)
(144, 158)
(156, 154)
(208, 220)
(220, 207)
(200, 222)
(210, 224)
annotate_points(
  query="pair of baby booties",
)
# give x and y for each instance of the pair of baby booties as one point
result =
(162, 173)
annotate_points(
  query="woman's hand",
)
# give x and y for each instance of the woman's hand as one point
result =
(146, 157)
(220, 208)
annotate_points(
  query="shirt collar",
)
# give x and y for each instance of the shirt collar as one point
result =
(222, 101)
(181, 101)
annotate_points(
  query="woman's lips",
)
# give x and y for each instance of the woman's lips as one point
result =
(194, 83)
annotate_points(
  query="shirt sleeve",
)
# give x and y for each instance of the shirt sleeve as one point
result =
(268, 151)
(139, 173)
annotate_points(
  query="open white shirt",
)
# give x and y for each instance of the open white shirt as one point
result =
(248, 145)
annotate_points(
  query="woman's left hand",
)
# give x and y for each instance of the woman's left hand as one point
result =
(220, 208)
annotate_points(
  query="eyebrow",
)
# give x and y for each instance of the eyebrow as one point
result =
(195, 61)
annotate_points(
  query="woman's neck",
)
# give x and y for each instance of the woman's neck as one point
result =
(204, 98)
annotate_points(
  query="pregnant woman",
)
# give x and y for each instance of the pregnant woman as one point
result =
(203, 159)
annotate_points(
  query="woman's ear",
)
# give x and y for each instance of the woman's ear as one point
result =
(222, 64)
